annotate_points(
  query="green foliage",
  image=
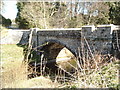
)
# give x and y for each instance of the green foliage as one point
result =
(8, 22)
(5, 22)
(114, 12)
(58, 15)
(98, 13)
(102, 21)
(21, 21)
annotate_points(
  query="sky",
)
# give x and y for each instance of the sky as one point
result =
(10, 9)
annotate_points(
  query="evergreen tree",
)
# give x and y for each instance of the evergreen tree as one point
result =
(21, 21)
(114, 12)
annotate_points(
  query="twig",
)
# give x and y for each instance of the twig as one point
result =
(91, 52)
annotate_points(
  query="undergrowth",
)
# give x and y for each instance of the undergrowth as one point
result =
(14, 73)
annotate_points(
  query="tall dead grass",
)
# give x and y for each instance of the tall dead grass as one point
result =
(93, 71)
(87, 74)
(13, 74)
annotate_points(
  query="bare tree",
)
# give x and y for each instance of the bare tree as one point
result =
(96, 10)
(36, 16)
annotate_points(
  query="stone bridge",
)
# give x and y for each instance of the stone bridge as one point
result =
(51, 41)
(103, 39)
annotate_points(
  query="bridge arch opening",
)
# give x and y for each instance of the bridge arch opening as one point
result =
(59, 56)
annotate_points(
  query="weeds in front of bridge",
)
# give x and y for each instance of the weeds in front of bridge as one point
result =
(12, 70)
(98, 71)
(92, 71)
(14, 73)
(105, 75)
(86, 75)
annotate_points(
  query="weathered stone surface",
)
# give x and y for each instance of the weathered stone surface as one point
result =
(103, 39)
(69, 39)
(51, 43)
(16, 37)
(99, 39)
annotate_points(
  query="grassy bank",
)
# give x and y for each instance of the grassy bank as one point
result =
(12, 70)
(14, 74)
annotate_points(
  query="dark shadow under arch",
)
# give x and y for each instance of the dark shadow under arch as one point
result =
(47, 42)
(50, 51)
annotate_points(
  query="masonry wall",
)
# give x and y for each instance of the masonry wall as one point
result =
(116, 42)
(99, 40)
(70, 39)
(102, 40)
(16, 37)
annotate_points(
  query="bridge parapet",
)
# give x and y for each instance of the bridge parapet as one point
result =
(100, 38)
(16, 37)
(61, 33)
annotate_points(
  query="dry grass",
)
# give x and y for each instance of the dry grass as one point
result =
(105, 76)
(13, 71)
(4, 32)
(38, 82)
(88, 75)
(100, 72)
(14, 74)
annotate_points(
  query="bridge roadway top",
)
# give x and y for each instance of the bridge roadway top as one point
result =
(58, 29)
(59, 32)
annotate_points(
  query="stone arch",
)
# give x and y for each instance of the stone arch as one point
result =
(50, 51)
(53, 45)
